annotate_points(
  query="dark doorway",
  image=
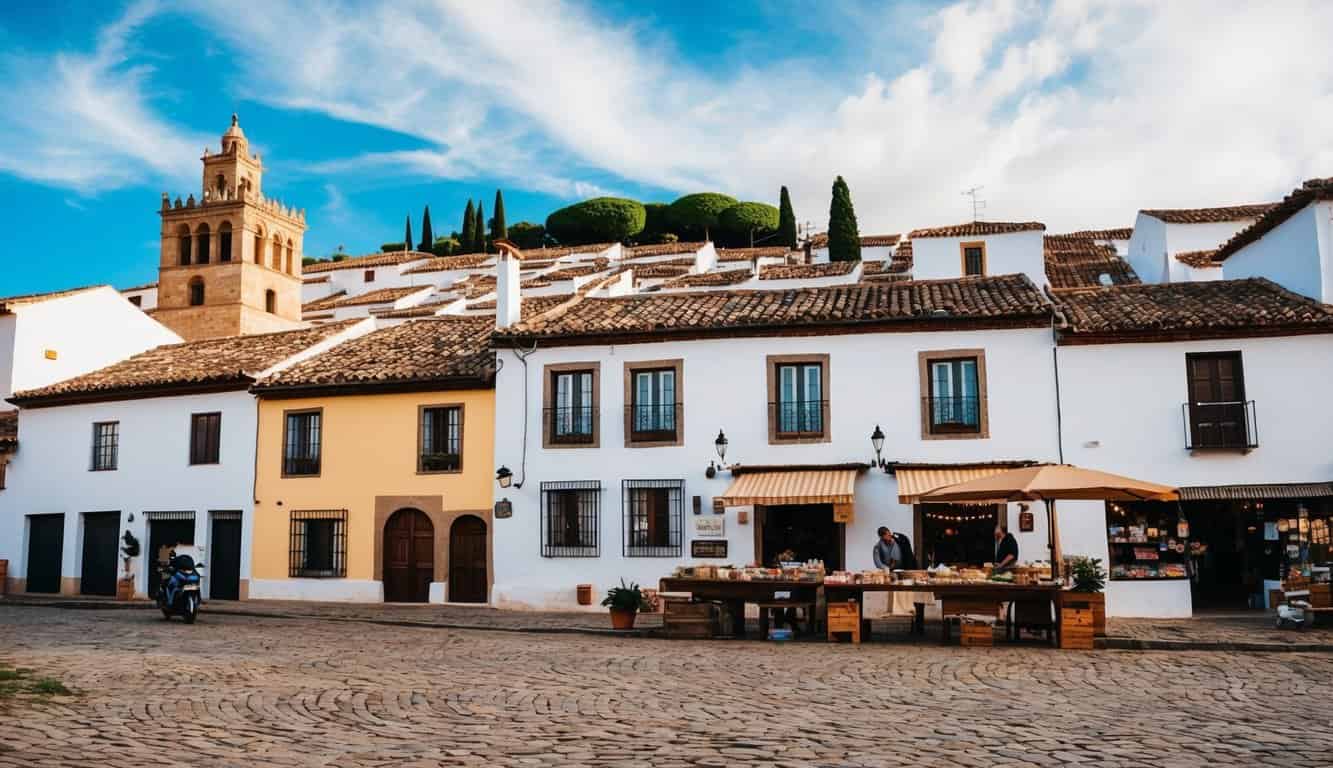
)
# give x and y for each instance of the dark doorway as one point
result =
(803, 533)
(467, 560)
(1228, 568)
(163, 535)
(46, 542)
(224, 558)
(409, 557)
(101, 534)
(958, 534)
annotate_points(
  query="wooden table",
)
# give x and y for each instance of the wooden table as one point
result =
(987, 597)
(737, 593)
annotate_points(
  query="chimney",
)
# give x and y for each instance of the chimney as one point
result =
(508, 299)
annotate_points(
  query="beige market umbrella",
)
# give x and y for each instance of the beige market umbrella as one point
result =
(1048, 483)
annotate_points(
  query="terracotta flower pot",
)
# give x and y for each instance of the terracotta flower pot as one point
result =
(585, 594)
(622, 619)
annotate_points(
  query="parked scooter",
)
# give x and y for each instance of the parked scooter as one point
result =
(1292, 615)
(178, 591)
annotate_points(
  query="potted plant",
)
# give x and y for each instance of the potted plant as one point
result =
(625, 602)
(1089, 581)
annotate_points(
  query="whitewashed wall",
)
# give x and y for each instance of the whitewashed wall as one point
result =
(1296, 254)
(1148, 251)
(147, 296)
(873, 379)
(939, 258)
(50, 474)
(8, 325)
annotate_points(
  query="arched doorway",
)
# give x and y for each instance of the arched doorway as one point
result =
(467, 560)
(409, 557)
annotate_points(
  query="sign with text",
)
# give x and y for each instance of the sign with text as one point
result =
(710, 527)
(708, 548)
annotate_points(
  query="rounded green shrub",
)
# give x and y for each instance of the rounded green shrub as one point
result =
(695, 216)
(736, 223)
(599, 220)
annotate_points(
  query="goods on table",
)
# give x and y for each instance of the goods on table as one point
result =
(807, 572)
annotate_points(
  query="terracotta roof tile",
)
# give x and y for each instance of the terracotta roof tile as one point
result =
(1073, 262)
(867, 241)
(902, 257)
(1198, 259)
(9, 430)
(315, 280)
(8, 303)
(380, 296)
(421, 310)
(436, 350)
(577, 270)
(978, 229)
(446, 263)
(1209, 215)
(322, 303)
(1217, 307)
(660, 270)
(134, 288)
(233, 359)
(532, 305)
(750, 254)
(365, 262)
(560, 253)
(807, 271)
(885, 277)
(714, 278)
(1117, 233)
(661, 249)
(1314, 189)
(1005, 299)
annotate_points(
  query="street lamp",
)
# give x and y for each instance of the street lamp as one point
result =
(504, 477)
(877, 441)
(720, 444)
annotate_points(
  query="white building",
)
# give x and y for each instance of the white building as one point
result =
(1161, 234)
(980, 248)
(161, 445)
(1292, 244)
(873, 247)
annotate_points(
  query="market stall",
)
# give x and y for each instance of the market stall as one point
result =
(793, 587)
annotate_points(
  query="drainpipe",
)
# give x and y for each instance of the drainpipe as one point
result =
(1058, 323)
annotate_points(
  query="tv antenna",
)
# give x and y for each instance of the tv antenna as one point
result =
(977, 203)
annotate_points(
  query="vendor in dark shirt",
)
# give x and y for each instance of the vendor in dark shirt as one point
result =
(1006, 550)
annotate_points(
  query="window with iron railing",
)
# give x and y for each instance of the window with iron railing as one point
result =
(572, 413)
(301, 443)
(954, 403)
(318, 544)
(571, 518)
(1217, 415)
(106, 445)
(653, 412)
(441, 441)
(800, 408)
(654, 517)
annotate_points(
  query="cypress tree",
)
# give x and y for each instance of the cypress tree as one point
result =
(786, 220)
(407, 234)
(479, 230)
(844, 240)
(427, 235)
(498, 229)
(469, 239)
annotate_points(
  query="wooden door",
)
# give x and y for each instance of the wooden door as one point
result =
(224, 563)
(46, 543)
(467, 560)
(101, 538)
(1217, 400)
(409, 557)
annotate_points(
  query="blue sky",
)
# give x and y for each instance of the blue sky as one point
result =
(1076, 113)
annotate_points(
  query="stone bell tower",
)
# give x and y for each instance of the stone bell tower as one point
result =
(230, 260)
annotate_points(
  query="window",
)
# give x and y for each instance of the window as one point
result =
(224, 242)
(318, 544)
(259, 249)
(974, 258)
(288, 268)
(654, 517)
(653, 410)
(106, 444)
(1217, 414)
(270, 301)
(276, 254)
(369, 276)
(197, 292)
(183, 245)
(571, 513)
(953, 400)
(136, 301)
(798, 401)
(205, 438)
(301, 443)
(202, 237)
(441, 439)
(570, 406)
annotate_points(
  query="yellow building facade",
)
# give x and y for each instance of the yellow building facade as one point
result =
(375, 487)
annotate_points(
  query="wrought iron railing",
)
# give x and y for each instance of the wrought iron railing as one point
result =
(1225, 426)
(951, 414)
(798, 418)
(653, 422)
(571, 424)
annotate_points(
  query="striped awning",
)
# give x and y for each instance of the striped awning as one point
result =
(1260, 491)
(914, 481)
(835, 486)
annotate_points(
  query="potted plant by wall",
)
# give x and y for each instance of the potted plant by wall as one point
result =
(625, 602)
(130, 550)
(1089, 581)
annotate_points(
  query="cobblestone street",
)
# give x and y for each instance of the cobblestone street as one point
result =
(244, 691)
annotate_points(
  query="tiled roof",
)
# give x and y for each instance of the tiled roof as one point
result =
(134, 288)
(867, 241)
(559, 253)
(1003, 300)
(1080, 263)
(714, 278)
(578, 270)
(660, 270)
(436, 350)
(978, 229)
(750, 254)
(380, 296)
(225, 361)
(532, 305)
(1198, 259)
(885, 277)
(9, 430)
(806, 271)
(322, 303)
(426, 309)
(315, 280)
(444, 263)
(367, 261)
(662, 249)
(9, 303)
(1210, 215)
(541, 264)
(1217, 307)
(1118, 233)
(1314, 189)
(902, 257)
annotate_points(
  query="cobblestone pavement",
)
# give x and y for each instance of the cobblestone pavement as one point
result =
(240, 691)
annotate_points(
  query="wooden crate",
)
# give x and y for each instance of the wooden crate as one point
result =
(1321, 596)
(975, 635)
(685, 619)
(844, 618)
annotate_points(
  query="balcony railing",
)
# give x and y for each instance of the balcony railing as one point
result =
(952, 415)
(799, 418)
(300, 465)
(1221, 426)
(440, 462)
(651, 423)
(571, 424)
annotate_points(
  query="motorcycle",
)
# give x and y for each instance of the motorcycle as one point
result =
(178, 592)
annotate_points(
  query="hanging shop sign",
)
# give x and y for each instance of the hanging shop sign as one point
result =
(842, 513)
(504, 508)
(1025, 522)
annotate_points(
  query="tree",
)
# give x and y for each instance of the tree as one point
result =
(527, 235)
(844, 239)
(393, 247)
(479, 230)
(695, 216)
(469, 233)
(744, 223)
(407, 235)
(599, 220)
(444, 246)
(654, 223)
(498, 229)
(786, 220)
(427, 236)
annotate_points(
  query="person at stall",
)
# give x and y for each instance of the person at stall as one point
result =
(887, 554)
(1006, 550)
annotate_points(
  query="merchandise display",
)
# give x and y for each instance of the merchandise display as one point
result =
(1149, 543)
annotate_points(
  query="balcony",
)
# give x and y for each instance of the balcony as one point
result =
(653, 423)
(798, 419)
(1221, 426)
(952, 415)
(571, 425)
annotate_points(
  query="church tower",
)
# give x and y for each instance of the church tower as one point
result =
(231, 260)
